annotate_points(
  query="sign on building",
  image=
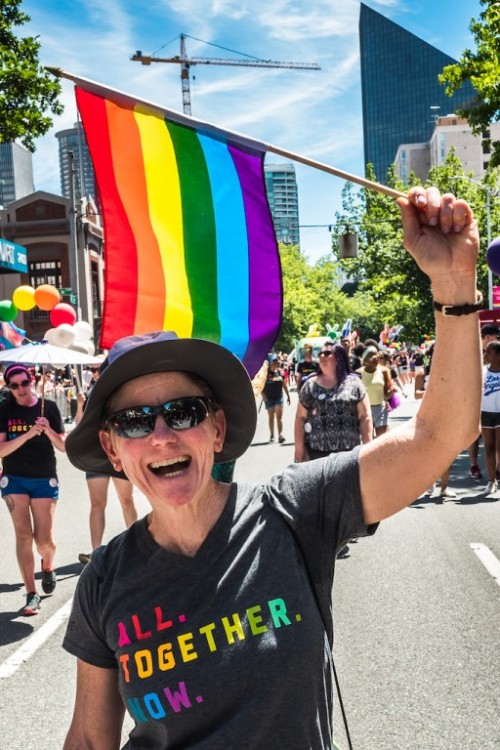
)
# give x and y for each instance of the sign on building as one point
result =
(13, 257)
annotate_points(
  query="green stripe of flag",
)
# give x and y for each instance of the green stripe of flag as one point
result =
(200, 240)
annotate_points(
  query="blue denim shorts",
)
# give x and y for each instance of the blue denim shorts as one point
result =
(31, 486)
(274, 403)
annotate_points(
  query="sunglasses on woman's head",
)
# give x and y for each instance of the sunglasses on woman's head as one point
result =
(179, 414)
(22, 384)
(326, 353)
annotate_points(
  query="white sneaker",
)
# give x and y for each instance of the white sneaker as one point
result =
(491, 487)
(448, 494)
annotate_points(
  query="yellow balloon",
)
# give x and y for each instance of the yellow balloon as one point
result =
(24, 297)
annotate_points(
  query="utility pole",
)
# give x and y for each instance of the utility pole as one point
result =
(186, 62)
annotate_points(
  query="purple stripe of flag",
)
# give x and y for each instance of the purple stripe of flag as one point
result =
(265, 298)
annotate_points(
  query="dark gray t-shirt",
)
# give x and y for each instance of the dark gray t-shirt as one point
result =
(230, 648)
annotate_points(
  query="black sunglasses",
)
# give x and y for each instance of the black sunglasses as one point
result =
(326, 353)
(22, 384)
(179, 414)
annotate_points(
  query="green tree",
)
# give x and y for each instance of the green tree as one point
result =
(451, 177)
(394, 289)
(299, 299)
(27, 91)
(482, 69)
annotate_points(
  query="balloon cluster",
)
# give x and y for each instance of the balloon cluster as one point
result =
(45, 297)
(66, 331)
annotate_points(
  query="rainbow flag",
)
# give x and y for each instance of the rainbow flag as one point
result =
(189, 239)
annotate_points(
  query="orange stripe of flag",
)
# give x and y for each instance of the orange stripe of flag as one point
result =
(129, 169)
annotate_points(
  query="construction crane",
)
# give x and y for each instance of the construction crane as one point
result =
(186, 62)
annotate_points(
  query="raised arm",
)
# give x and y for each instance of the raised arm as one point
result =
(99, 711)
(441, 235)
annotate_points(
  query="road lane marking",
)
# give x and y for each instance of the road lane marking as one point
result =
(489, 560)
(35, 641)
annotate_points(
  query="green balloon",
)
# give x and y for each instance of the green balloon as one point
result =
(8, 310)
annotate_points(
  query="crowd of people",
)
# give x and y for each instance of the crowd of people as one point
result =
(333, 393)
(345, 395)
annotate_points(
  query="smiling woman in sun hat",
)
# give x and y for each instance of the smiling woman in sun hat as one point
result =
(211, 618)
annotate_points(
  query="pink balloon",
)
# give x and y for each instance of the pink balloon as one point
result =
(62, 313)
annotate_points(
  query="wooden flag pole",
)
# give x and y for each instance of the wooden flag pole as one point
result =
(338, 172)
(42, 405)
(210, 128)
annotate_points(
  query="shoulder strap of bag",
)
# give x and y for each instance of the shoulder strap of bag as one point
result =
(313, 591)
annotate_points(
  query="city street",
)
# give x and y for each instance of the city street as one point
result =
(417, 612)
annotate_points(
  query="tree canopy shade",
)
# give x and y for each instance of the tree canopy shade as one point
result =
(482, 69)
(27, 91)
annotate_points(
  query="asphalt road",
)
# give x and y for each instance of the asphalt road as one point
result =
(417, 618)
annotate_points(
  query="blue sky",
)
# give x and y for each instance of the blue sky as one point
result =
(314, 113)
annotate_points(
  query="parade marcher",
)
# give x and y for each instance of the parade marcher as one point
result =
(421, 382)
(377, 381)
(490, 413)
(222, 587)
(98, 487)
(29, 481)
(306, 367)
(402, 362)
(333, 413)
(272, 393)
(489, 332)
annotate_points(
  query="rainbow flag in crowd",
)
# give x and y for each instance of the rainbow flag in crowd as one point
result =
(11, 336)
(189, 239)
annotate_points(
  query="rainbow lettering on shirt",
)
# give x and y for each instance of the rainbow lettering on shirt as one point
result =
(140, 662)
(16, 426)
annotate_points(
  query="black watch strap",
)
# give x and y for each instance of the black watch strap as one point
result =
(453, 310)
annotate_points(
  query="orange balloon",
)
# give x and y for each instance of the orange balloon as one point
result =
(47, 296)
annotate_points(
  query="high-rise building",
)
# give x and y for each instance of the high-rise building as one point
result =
(74, 152)
(450, 132)
(16, 172)
(281, 187)
(400, 90)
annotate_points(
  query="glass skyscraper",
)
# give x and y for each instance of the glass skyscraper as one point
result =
(282, 194)
(400, 89)
(73, 140)
(16, 172)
